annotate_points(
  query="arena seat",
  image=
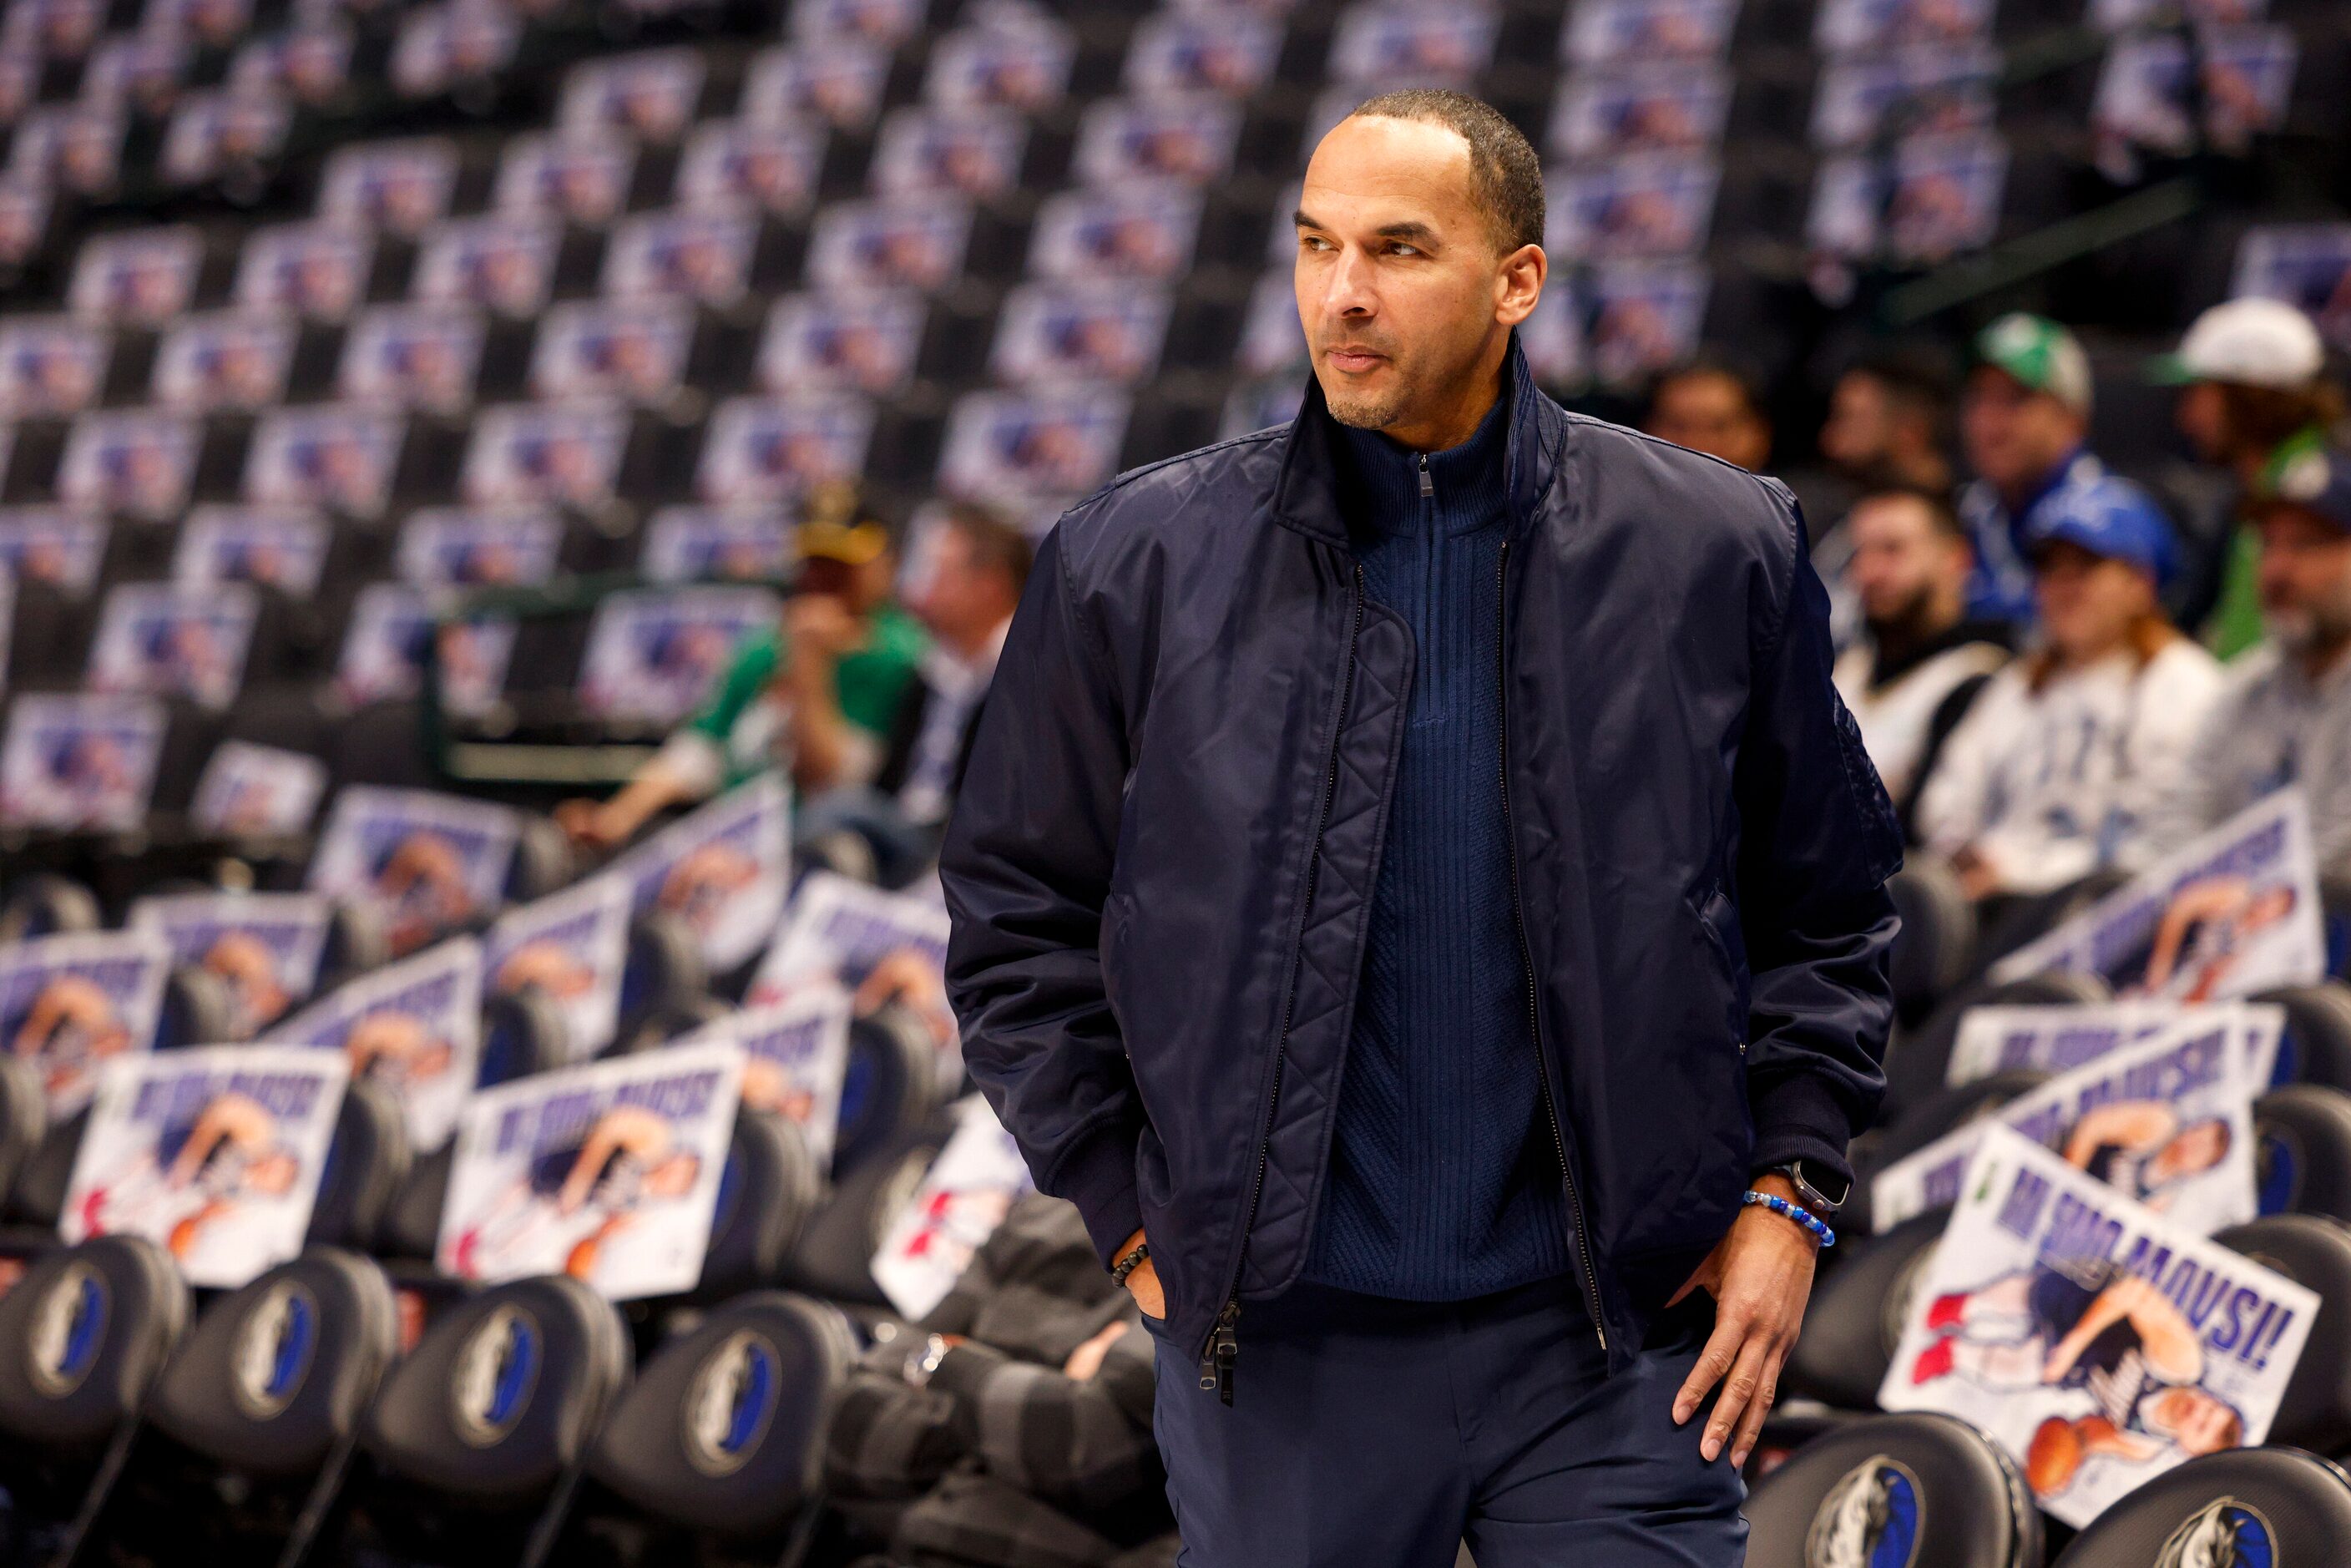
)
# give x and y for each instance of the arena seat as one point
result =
(38, 1194)
(835, 1254)
(411, 1225)
(2312, 1250)
(2278, 1506)
(1923, 1490)
(1855, 1315)
(45, 904)
(477, 1440)
(892, 1084)
(2302, 1134)
(523, 1032)
(722, 1433)
(2317, 1044)
(664, 970)
(197, 1009)
(767, 1193)
(1938, 935)
(23, 1116)
(367, 1163)
(1917, 1060)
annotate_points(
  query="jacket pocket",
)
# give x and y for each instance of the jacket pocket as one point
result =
(1718, 919)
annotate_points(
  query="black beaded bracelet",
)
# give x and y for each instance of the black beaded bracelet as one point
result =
(1128, 1264)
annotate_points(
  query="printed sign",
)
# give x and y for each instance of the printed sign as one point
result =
(315, 269)
(768, 450)
(394, 186)
(51, 545)
(879, 945)
(968, 1190)
(1851, 27)
(279, 547)
(836, 80)
(1644, 315)
(2308, 266)
(1935, 196)
(496, 261)
(862, 343)
(80, 764)
(972, 152)
(72, 1003)
(737, 163)
(634, 349)
(544, 453)
(2234, 913)
(216, 132)
(2098, 1343)
(2145, 98)
(885, 22)
(796, 1059)
(257, 792)
(1910, 93)
(441, 45)
(264, 948)
(415, 1027)
(1676, 105)
(134, 461)
(2167, 1120)
(425, 861)
(1137, 230)
(607, 1172)
(702, 544)
(1651, 204)
(2061, 1039)
(50, 366)
(383, 649)
(443, 547)
(1231, 53)
(312, 61)
(1100, 330)
(704, 256)
(164, 639)
(1190, 139)
(1010, 447)
(1620, 32)
(1020, 60)
(1393, 40)
(583, 177)
(649, 95)
(338, 456)
(901, 242)
(723, 868)
(141, 278)
(225, 359)
(412, 356)
(570, 946)
(213, 1154)
(654, 654)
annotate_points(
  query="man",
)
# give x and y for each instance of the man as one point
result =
(2023, 421)
(2252, 378)
(1355, 890)
(2285, 718)
(1910, 678)
(1886, 419)
(1712, 408)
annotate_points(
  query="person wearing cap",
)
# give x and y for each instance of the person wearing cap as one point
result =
(2055, 770)
(2023, 418)
(2252, 379)
(2285, 718)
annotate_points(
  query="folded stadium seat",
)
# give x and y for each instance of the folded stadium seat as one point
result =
(2303, 1138)
(24, 1115)
(2317, 1044)
(410, 1225)
(189, 736)
(722, 1434)
(475, 1441)
(45, 904)
(1938, 932)
(543, 860)
(357, 941)
(1792, 1423)
(258, 1411)
(1924, 1491)
(890, 1088)
(1855, 1316)
(2243, 1506)
(835, 1254)
(48, 635)
(664, 968)
(2315, 1411)
(1927, 1121)
(844, 852)
(2334, 902)
(198, 1009)
(523, 1032)
(769, 1189)
(367, 1161)
(1917, 1059)
(667, 1022)
(82, 1336)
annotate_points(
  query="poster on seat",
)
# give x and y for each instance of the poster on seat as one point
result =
(965, 1195)
(725, 869)
(2096, 1340)
(415, 1027)
(570, 948)
(796, 1059)
(426, 862)
(264, 947)
(882, 946)
(2061, 1039)
(71, 1004)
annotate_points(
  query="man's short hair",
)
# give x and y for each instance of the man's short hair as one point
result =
(1505, 175)
(1914, 376)
(995, 544)
(1940, 513)
(1713, 365)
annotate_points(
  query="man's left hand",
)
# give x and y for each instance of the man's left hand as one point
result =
(1760, 1275)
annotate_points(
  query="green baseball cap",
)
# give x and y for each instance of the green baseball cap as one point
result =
(2040, 354)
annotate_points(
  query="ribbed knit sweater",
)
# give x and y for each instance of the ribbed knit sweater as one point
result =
(1443, 1182)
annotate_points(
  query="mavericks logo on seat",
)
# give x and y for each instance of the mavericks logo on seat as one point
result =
(496, 1369)
(2223, 1534)
(730, 1403)
(69, 1329)
(273, 1346)
(1869, 1518)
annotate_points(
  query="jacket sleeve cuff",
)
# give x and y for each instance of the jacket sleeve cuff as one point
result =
(1797, 1118)
(1097, 1175)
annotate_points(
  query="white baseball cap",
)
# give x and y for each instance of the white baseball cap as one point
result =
(2249, 342)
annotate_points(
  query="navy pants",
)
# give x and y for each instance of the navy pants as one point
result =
(1366, 1433)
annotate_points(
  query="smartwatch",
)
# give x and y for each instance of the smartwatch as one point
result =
(1824, 1192)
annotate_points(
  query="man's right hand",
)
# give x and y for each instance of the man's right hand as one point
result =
(1142, 1284)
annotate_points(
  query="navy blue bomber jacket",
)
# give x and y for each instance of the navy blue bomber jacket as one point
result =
(1167, 836)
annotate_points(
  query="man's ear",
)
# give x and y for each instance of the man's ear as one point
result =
(1519, 284)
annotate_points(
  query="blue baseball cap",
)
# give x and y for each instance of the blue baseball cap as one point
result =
(2112, 518)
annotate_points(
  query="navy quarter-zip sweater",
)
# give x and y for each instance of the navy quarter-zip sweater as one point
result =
(1444, 1181)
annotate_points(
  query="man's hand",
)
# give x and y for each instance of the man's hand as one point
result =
(1142, 1284)
(1760, 1275)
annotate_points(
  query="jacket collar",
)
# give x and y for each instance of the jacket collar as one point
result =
(1306, 492)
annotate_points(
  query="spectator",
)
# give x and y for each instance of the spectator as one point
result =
(1014, 1428)
(1887, 422)
(2023, 420)
(1921, 662)
(2251, 380)
(1712, 408)
(2286, 715)
(2057, 768)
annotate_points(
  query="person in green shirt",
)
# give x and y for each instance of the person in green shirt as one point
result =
(822, 688)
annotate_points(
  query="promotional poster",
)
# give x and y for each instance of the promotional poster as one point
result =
(1231, 52)
(2166, 1120)
(968, 1190)
(442, 45)
(1136, 231)
(1399, 39)
(1189, 139)
(571, 946)
(169, 640)
(1015, 446)
(383, 653)
(257, 792)
(415, 1027)
(968, 152)
(412, 356)
(878, 945)
(315, 269)
(902, 242)
(225, 360)
(1854, 26)
(607, 1172)
(212, 1154)
(724, 869)
(2231, 915)
(53, 545)
(884, 22)
(1651, 204)
(50, 366)
(763, 450)
(1934, 196)
(76, 763)
(1644, 315)
(134, 461)
(2060, 1039)
(1622, 32)
(72, 1003)
(1271, 337)
(1103, 331)
(138, 277)
(279, 546)
(1669, 106)
(582, 177)
(1933, 91)
(650, 94)
(705, 256)
(216, 132)
(2145, 99)
(711, 544)
(836, 79)
(443, 547)
(397, 187)
(496, 261)
(526, 454)
(74, 147)
(311, 60)
(634, 349)
(2096, 1342)
(337, 456)
(425, 861)
(653, 654)
(865, 342)
(2308, 266)
(1020, 60)
(796, 1056)
(264, 947)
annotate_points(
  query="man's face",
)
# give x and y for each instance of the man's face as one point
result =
(1901, 561)
(956, 601)
(2014, 434)
(1860, 426)
(2305, 578)
(1707, 412)
(1400, 290)
(2201, 414)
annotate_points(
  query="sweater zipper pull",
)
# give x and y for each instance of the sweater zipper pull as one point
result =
(1223, 1349)
(1427, 484)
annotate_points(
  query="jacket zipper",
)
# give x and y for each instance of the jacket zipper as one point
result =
(1526, 952)
(1222, 1346)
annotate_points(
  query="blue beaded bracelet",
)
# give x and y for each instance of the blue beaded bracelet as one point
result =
(1797, 1212)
